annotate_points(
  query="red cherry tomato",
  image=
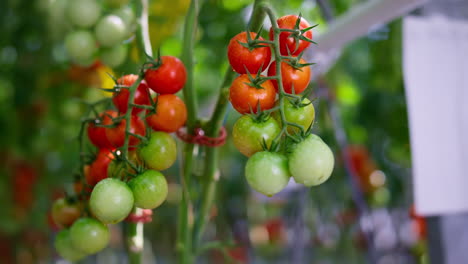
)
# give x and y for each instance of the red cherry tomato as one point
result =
(241, 57)
(98, 169)
(287, 42)
(169, 78)
(292, 77)
(116, 135)
(245, 98)
(96, 134)
(121, 97)
(170, 115)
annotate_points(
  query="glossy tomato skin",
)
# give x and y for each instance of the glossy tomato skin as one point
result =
(121, 97)
(64, 213)
(241, 57)
(111, 201)
(110, 30)
(97, 135)
(116, 135)
(89, 236)
(65, 248)
(170, 116)
(245, 98)
(159, 153)
(150, 189)
(311, 161)
(287, 42)
(248, 134)
(267, 172)
(98, 169)
(169, 78)
(302, 115)
(297, 78)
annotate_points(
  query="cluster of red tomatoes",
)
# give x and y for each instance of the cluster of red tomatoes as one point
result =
(95, 35)
(113, 185)
(308, 160)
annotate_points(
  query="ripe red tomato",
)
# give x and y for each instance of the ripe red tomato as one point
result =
(287, 42)
(121, 97)
(292, 77)
(170, 115)
(116, 135)
(245, 98)
(98, 169)
(169, 78)
(241, 57)
(97, 135)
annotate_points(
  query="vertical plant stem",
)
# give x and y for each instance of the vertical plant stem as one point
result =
(134, 231)
(210, 176)
(183, 244)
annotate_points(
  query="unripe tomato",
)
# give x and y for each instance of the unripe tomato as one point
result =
(83, 13)
(311, 161)
(110, 30)
(114, 56)
(80, 45)
(98, 169)
(121, 169)
(302, 115)
(169, 78)
(96, 134)
(116, 135)
(89, 235)
(287, 42)
(245, 98)
(267, 172)
(241, 57)
(298, 79)
(248, 134)
(111, 201)
(149, 189)
(159, 152)
(65, 248)
(170, 116)
(121, 97)
(64, 213)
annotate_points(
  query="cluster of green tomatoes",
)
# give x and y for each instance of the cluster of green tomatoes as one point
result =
(275, 129)
(98, 31)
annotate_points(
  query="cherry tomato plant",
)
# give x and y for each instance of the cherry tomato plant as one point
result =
(121, 178)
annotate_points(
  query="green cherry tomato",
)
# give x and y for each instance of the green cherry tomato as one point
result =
(64, 247)
(80, 45)
(128, 16)
(302, 114)
(267, 172)
(89, 236)
(311, 161)
(114, 56)
(111, 201)
(248, 134)
(160, 151)
(149, 189)
(83, 13)
(110, 30)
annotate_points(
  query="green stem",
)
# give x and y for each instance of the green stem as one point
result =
(134, 231)
(183, 244)
(211, 176)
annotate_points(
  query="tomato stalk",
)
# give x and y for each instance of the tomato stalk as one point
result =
(183, 244)
(211, 174)
(134, 231)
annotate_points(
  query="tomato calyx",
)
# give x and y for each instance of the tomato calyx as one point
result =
(295, 62)
(258, 80)
(297, 33)
(252, 44)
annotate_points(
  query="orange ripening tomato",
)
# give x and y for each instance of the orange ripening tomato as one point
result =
(170, 116)
(287, 42)
(292, 78)
(245, 98)
(242, 58)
